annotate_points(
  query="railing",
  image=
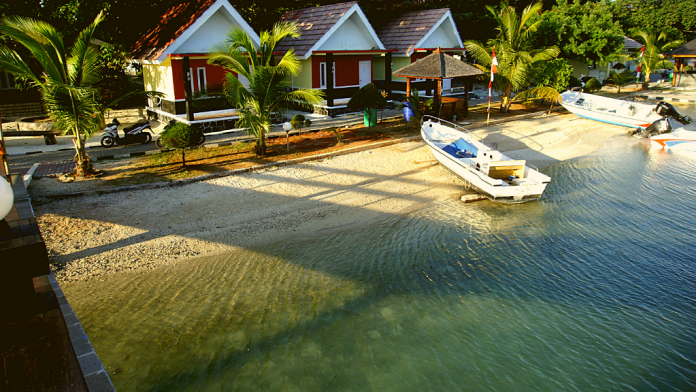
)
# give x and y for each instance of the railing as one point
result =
(451, 125)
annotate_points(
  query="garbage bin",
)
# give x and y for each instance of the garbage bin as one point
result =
(370, 117)
(408, 111)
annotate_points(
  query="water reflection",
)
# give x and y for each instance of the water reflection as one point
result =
(592, 288)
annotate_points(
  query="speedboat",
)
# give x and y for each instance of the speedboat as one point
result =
(610, 110)
(673, 131)
(683, 138)
(480, 166)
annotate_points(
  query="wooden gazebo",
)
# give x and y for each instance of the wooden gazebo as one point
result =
(688, 50)
(441, 66)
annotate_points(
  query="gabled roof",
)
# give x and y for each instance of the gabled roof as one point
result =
(438, 66)
(630, 43)
(177, 24)
(318, 23)
(686, 50)
(407, 31)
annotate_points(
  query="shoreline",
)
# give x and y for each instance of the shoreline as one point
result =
(93, 237)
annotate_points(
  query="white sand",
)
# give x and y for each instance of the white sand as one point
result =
(96, 236)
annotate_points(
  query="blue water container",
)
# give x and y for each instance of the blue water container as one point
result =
(408, 111)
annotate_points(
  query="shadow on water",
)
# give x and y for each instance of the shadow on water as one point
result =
(559, 294)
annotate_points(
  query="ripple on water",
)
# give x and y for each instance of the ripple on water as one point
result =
(592, 288)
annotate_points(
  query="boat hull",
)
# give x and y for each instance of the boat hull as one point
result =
(609, 110)
(528, 186)
(680, 139)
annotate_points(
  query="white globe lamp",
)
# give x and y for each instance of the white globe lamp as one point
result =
(287, 127)
(6, 198)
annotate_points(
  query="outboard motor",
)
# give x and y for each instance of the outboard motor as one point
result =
(663, 125)
(665, 109)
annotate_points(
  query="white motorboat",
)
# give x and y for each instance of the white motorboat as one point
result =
(673, 131)
(481, 167)
(610, 110)
(680, 139)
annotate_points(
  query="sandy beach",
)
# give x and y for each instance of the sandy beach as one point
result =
(135, 231)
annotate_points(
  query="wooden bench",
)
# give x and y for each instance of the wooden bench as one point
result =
(49, 136)
(502, 170)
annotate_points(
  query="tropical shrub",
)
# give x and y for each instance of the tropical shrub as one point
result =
(367, 98)
(180, 136)
(574, 82)
(592, 85)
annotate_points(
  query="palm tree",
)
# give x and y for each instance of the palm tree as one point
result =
(514, 50)
(623, 78)
(656, 43)
(269, 91)
(67, 81)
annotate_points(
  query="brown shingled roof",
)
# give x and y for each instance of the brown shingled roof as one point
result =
(403, 33)
(438, 66)
(171, 25)
(688, 49)
(314, 23)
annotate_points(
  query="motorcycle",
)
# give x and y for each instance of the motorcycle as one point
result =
(161, 146)
(135, 133)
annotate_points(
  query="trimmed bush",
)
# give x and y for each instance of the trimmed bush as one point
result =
(574, 82)
(592, 85)
(180, 136)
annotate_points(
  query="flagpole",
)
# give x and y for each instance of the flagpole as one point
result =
(640, 63)
(494, 69)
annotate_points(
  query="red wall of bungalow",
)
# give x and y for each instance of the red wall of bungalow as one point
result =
(347, 69)
(214, 76)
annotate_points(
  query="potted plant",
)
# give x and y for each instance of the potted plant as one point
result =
(368, 99)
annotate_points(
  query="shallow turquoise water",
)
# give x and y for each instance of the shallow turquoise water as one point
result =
(592, 288)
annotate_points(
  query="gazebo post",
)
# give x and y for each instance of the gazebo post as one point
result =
(438, 96)
(467, 82)
(408, 87)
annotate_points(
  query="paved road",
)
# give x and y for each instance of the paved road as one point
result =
(21, 163)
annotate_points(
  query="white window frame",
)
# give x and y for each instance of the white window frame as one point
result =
(322, 74)
(191, 75)
(198, 78)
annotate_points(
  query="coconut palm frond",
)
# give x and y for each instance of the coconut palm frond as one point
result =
(12, 62)
(267, 92)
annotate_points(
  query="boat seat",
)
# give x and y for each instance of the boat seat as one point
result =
(502, 170)
(460, 148)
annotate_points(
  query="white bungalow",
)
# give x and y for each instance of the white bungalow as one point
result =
(182, 40)
(337, 34)
(412, 36)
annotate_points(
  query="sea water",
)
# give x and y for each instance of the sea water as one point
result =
(591, 288)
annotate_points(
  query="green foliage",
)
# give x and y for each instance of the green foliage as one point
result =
(554, 73)
(677, 18)
(337, 134)
(67, 78)
(688, 68)
(656, 42)
(268, 92)
(592, 85)
(368, 97)
(308, 123)
(584, 31)
(574, 82)
(180, 136)
(516, 50)
(620, 79)
(416, 105)
(297, 121)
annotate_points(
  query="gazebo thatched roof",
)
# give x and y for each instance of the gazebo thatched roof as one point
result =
(686, 50)
(438, 66)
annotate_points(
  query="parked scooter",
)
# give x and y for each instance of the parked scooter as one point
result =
(135, 133)
(161, 146)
